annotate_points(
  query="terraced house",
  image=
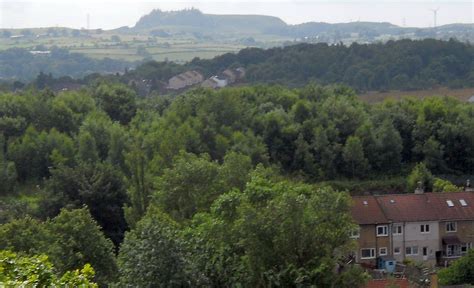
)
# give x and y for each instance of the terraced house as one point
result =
(433, 228)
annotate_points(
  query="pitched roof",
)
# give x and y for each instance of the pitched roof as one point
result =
(413, 207)
(407, 207)
(365, 210)
(453, 206)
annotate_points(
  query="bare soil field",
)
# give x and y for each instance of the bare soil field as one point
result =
(462, 94)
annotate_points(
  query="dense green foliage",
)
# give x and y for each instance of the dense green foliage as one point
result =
(37, 271)
(70, 240)
(271, 233)
(154, 253)
(319, 133)
(210, 184)
(233, 240)
(460, 272)
(420, 178)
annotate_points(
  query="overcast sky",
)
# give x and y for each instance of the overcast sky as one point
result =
(108, 14)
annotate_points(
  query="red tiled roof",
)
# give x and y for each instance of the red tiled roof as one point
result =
(407, 207)
(383, 283)
(365, 210)
(457, 211)
(413, 207)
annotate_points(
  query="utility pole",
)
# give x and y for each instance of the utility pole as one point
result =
(435, 16)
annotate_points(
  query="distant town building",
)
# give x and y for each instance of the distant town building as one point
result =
(230, 75)
(241, 72)
(209, 83)
(37, 52)
(66, 86)
(471, 100)
(215, 82)
(185, 79)
(227, 77)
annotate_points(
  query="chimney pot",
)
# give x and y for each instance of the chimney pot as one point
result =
(419, 189)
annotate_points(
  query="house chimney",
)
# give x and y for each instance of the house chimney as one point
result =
(419, 189)
(468, 187)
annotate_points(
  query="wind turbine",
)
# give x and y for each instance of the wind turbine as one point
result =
(435, 15)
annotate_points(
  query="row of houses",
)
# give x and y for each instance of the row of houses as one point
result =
(227, 77)
(433, 228)
(183, 80)
(191, 78)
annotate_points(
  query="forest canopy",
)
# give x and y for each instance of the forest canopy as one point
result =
(226, 184)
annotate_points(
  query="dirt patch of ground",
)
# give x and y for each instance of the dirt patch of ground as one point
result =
(375, 97)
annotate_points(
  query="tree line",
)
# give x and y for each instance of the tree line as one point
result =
(394, 65)
(20, 64)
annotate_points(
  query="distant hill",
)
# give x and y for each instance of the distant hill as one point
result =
(193, 20)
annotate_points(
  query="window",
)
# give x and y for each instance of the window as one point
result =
(451, 227)
(355, 233)
(425, 228)
(425, 251)
(413, 250)
(382, 230)
(463, 202)
(397, 230)
(397, 250)
(383, 251)
(450, 203)
(453, 250)
(465, 247)
(367, 253)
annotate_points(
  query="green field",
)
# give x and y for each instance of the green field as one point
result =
(129, 46)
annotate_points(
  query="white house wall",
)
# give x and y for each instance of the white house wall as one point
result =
(412, 236)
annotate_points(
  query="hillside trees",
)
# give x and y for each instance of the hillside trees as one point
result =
(99, 186)
(117, 100)
(18, 270)
(420, 176)
(397, 65)
(70, 240)
(311, 130)
(155, 252)
(7, 170)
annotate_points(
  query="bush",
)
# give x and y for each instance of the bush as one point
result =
(420, 175)
(441, 185)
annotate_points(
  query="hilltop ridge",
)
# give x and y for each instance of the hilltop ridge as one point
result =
(194, 20)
